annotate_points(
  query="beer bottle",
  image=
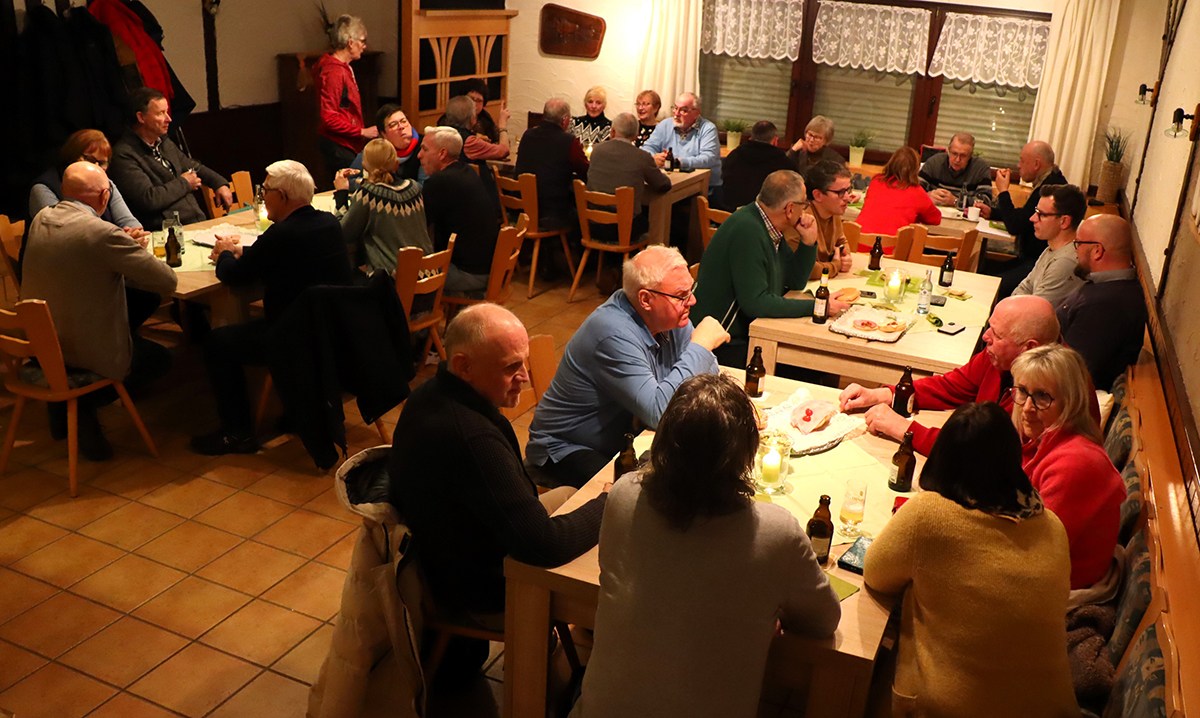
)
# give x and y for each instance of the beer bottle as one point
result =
(876, 254)
(904, 464)
(670, 160)
(821, 306)
(946, 278)
(627, 460)
(820, 530)
(174, 251)
(755, 373)
(902, 401)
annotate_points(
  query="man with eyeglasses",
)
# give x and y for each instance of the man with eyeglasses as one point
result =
(949, 174)
(393, 126)
(620, 368)
(692, 140)
(1060, 209)
(749, 266)
(828, 196)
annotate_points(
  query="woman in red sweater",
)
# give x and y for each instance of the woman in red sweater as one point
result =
(895, 198)
(1064, 458)
(342, 134)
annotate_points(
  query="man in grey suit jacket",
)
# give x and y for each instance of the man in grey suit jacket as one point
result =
(155, 177)
(617, 162)
(78, 264)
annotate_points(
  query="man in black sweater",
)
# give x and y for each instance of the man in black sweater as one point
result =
(458, 481)
(457, 202)
(303, 248)
(556, 158)
(1105, 319)
(744, 170)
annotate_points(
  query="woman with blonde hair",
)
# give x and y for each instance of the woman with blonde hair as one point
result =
(592, 127)
(341, 132)
(1063, 455)
(646, 107)
(896, 199)
(384, 215)
(814, 147)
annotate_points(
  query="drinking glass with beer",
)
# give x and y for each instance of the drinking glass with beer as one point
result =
(854, 504)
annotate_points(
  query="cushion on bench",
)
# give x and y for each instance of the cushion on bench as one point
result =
(1118, 442)
(1131, 507)
(1134, 597)
(1141, 690)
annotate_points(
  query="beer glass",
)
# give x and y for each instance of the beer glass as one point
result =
(854, 504)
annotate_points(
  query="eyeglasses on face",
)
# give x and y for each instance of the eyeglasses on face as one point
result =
(1080, 241)
(841, 193)
(1042, 215)
(1041, 399)
(102, 164)
(396, 124)
(813, 136)
(682, 110)
(802, 204)
(682, 299)
(644, 104)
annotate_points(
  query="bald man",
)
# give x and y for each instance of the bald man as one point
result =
(556, 158)
(1105, 320)
(1017, 325)
(78, 264)
(458, 481)
(623, 363)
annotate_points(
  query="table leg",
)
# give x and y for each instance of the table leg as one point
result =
(837, 692)
(695, 246)
(526, 659)
(660, 221)
(770, 350)
(228, 307)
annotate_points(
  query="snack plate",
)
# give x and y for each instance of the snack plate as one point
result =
(840, 427)
(845, 323)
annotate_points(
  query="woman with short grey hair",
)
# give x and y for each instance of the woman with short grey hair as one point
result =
(342, 134)
(814, 147)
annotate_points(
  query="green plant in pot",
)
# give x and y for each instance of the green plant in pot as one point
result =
(858, 146)
(733, 132)
(1112, 171)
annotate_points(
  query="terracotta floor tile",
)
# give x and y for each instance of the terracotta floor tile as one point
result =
(236, 470)
(131, 526)
(71, 558)
(55, 692)
(340, 554)
(305, 533)
(175, 454)
(245, 514)
(189, 546)
(291, 486)
(135, 478)
(6, 513)
(260, 632)
(329, 505)
(251, 568)
(57, 624)
(30, 487)
(34, 448)
(195, 680)
(316, 590)
(60, 465)
(21, 536)
(123, 652)
(16, 663)
(188, 495)
(20, 593)
(124, 705)
(268, 696)
(128, 582)
(72, 513)
(304, 661)
(191, 606)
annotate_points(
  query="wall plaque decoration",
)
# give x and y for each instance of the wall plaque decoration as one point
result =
(569, 32)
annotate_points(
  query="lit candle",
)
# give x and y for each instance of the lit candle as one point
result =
(588, 151)
(770, 468)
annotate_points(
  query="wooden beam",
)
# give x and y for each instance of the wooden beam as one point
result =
(210, 58)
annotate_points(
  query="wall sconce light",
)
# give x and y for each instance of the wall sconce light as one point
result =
(1147, 95)
(1176, 128)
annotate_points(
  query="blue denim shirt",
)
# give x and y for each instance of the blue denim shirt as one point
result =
(701, 149)
(613, 369)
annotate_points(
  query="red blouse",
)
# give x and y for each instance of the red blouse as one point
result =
(887, 209)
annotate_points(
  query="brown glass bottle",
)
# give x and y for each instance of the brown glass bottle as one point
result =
(820, 530)
(876, 254)
(821, 306)
(755, 373)
(627, 460)
(946, 277)
(904, 465)
(174, 251)
(670, 163)
(902, 399)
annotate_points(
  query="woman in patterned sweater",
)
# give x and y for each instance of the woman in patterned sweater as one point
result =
(592, 127)
(383, 216)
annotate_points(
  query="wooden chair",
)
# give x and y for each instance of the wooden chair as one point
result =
(49, 379)
(504, 266)
(520, 194)
(708, 218)
(418, 274)
(243, 195)
(11, 236)
(900, 244)
(966, 248)
(621, 216)
(265, 397)
(541, 367)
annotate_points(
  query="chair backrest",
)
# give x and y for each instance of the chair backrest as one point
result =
(928, 151)
(966, 247)
(419, 274)
(243, 195)
(900, 244)
(1019, 194)
(586, 205)
(852, 231)
(542, 366)
(504, 261)
(709, 217)
(518, 194)
(11, 234)
(31, 318)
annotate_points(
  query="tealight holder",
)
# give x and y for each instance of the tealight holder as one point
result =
(771, 463)
(895, 283)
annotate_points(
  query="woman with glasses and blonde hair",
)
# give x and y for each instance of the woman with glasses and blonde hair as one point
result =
(341, 132)
(592, 127)
(814, 147)
(384, 215)
(646, 107)
(1064, 457)
(896, 199)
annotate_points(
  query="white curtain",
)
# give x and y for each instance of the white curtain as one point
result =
(871, 37)
(988, 49)
(753, 28)
(1068, 102)
(670, 60)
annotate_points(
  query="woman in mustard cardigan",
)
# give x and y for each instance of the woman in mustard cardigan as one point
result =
(985, 571)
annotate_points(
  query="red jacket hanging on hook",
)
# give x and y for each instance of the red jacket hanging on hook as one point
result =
(126, 25)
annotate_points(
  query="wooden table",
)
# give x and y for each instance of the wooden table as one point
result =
(838, 669)
(683, 186)
(799, 342)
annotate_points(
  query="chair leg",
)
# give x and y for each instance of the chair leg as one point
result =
(599, 265)
(73, 445)
(383, 433)
(436, 654)
(567, 251)
(10, 437)
(137, 418)
(436, 339)
(568, 644)
(261, 412)
(537, 246)
(579, 273)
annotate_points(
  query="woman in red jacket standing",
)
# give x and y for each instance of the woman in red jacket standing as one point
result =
(895, 198)
(342, 133)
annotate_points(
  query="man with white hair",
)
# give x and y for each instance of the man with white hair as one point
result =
(948, 175)
(693, 141)
(457, 479)
(622, 364)
(303, 247)
(457, 202)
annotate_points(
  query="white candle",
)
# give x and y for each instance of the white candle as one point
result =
(770, 468)
(588, 151)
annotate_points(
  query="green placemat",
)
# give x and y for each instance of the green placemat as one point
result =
(875, 280)
(842, 587)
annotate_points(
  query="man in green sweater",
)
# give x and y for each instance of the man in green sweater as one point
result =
(749, 266)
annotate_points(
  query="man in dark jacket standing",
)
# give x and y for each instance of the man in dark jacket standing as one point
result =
(303, 248)
(155, 177)
(556, 158)
(744, 169)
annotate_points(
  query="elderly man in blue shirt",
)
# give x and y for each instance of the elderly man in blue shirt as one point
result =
(692, 140)
(624, 363)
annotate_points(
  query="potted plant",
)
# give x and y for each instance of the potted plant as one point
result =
(1116, 141)
(733, 132)
(858, 145)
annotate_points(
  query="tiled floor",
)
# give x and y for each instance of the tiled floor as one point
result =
(185, 585)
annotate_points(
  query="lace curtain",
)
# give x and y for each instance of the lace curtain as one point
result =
(871, 37)
(986, 49)
(753, 28)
